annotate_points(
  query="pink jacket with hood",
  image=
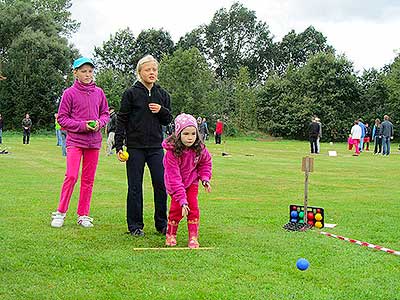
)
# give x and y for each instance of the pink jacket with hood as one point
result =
(81, 103)
(181, 172)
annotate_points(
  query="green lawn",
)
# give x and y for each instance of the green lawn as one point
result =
(242, 219)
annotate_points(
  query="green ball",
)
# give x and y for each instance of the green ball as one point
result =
(301, 214)
(92, 124)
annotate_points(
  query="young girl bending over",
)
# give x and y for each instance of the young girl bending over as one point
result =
(186, 162)
(83, 111)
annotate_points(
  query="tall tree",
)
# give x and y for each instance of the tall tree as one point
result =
(122, 51)
(234, 39)
(35, 59)
(35, 77)
(392, 81)
(326, 86)
(374, 95)
(295, 49)
(114, 83)
(244, 108)
(185, 74)
(154, 42)
(58, 11)
(118, 53)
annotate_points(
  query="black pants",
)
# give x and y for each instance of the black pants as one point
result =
(378, 145)
(313, 144)
(27, 134)
(135, 169)
(218, 138)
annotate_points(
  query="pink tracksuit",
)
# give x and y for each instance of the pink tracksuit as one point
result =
(181, 176)
(81, 103)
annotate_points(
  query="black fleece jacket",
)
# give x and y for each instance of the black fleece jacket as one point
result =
(136, 123)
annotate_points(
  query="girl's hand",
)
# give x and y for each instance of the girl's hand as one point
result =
(207, 186)
(95, 128)
(185, 210)
(118, 156)
(154, 107)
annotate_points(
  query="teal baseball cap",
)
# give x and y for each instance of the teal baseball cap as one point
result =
(81, 61)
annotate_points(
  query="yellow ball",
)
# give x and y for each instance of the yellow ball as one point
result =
(124, 155)
(318, 224)
(318, 217)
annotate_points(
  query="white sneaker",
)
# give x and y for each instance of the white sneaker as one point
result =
(85, 221)
(57, 219)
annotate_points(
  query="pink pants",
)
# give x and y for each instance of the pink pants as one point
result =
(175, 213)
(356, 143)
(89, 165)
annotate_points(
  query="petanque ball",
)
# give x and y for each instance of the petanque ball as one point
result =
(124, 155)
(302, 264)
(92, 124)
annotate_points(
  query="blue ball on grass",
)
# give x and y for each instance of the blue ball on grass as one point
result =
(302, 264)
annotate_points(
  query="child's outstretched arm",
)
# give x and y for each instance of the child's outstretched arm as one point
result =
(205, 169)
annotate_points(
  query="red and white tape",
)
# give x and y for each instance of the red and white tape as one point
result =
(377, 247)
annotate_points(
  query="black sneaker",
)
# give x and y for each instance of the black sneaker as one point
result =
(137, 232)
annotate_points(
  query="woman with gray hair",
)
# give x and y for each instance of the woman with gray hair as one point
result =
(144, 108)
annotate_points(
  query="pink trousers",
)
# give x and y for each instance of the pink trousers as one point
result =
(175, 213)
(90, 158)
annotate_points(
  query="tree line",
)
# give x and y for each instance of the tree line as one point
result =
(230, 68)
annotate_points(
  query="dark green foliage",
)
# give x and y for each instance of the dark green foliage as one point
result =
(229, 69)
(114, 83)
(35, 60)
(117, 53)
(187, 78)
(392, 81)
(325, 86)
(234, 39)
(296, 49)
(122, 51)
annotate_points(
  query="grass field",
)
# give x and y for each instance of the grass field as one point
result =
(242, 219)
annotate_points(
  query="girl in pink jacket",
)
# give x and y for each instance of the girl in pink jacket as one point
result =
(186, 161)
(82, 113)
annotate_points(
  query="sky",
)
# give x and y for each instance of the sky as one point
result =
(365, 31)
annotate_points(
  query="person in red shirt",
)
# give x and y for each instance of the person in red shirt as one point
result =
(218, 131)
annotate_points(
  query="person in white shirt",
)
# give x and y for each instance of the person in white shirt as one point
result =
(356, 132)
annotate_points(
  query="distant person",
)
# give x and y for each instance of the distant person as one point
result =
(377, 137)
(57, 127)
(363, 130)
(63, 142)
(367, 137)
(26, 126)
(387, 135)
(207, 132)
(219, 128)
(313, 132)
(82, 113)
(318, 120)
(1, 129)
(203, 129)
(110, 131)
(186, 162)
(356, 132)
(145, 107)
